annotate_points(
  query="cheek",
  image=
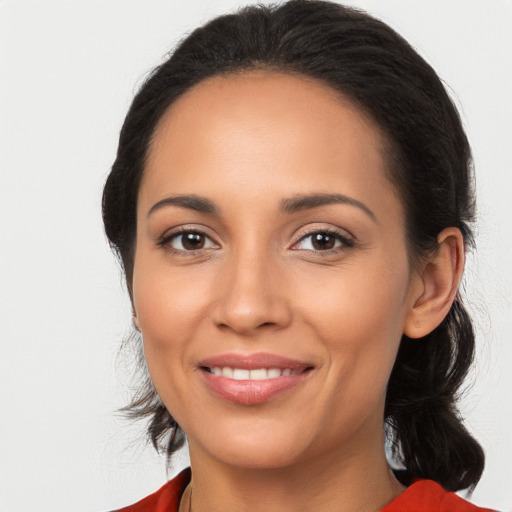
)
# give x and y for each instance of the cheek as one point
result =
(166, 302)
(359, 314)
(359, 296)
(169, 306)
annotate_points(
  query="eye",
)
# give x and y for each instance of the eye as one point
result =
(187, 241)
(323, 241)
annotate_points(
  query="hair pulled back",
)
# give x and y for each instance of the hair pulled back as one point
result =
(429, 162)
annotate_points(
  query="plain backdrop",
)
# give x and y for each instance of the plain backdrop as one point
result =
(68, 71)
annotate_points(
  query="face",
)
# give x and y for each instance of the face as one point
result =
(271, 280)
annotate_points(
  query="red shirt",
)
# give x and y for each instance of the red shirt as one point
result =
(421, 496)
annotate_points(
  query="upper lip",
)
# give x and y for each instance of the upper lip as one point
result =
(253, 361)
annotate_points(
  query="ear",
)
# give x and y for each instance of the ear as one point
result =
(436, 285)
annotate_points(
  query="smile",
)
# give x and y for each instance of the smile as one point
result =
(252, 379)
(257, 374)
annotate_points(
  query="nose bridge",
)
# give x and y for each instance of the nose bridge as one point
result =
(249, 294)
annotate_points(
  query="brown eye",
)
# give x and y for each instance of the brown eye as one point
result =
(192, 241)
(323, 241)
(187, 241)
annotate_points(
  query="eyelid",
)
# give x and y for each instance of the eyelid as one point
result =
(169, 235)
(346, 238)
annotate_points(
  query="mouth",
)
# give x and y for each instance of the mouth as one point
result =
(256, 374)
(252, 379)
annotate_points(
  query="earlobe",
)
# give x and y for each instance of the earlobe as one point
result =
(439, 280)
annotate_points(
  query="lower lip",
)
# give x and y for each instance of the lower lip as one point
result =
(251, 392)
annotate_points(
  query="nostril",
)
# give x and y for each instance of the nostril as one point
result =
(249, 313)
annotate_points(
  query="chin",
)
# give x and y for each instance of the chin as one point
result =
(256, 450)
(260, 457)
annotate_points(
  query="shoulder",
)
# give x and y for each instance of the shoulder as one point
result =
(429, 496)
(166, 499)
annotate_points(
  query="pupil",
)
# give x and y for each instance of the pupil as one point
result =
(193, 241)
(323, 241)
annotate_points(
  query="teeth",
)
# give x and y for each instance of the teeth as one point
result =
(239, 374)
(273, 373)
(227, 372)
(260, 374)
(257, 374)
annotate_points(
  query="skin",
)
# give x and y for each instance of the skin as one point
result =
(247, 143)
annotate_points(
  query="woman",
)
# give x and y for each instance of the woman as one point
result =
(291, 202)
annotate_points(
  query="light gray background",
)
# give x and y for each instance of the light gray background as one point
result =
(68, 70)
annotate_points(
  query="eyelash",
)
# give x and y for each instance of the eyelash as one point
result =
(165, 241)
(347, 242)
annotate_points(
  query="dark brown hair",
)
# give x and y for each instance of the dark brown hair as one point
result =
(429, 163)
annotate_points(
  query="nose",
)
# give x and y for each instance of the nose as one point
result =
(251, 296)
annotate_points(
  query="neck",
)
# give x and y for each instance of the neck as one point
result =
(342, 481)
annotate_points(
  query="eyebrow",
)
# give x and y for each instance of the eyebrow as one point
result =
(306, 202)
(291, 205)
(191, 202)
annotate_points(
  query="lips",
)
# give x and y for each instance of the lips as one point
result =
(252, 379)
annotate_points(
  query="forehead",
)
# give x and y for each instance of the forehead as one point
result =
(265, 132)
(248, 97)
